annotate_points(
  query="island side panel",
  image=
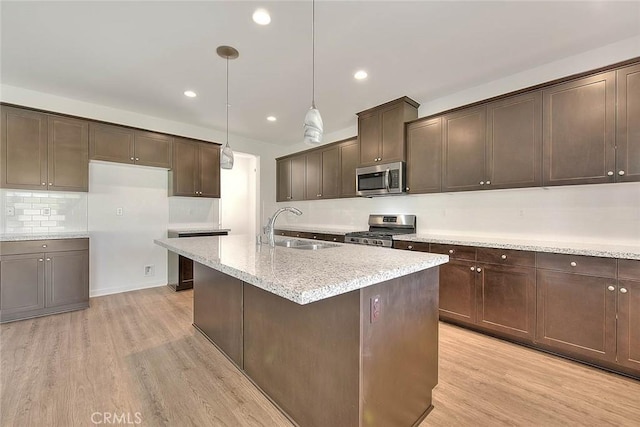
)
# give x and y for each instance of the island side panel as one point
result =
(305, 357)
(400, 349)
(217, 309)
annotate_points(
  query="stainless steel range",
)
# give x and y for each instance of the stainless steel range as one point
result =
(382, 228)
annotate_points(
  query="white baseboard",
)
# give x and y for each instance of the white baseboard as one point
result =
(120, 289)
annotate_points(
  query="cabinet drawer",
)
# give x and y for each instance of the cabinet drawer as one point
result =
(593, 266)
(507, 257)
(455, 251)
(36, 246)
(411, 246)
(629, 269)
(331, 237)
(283, 233)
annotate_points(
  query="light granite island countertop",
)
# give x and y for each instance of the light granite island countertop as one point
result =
(302, 276)
(341, 336)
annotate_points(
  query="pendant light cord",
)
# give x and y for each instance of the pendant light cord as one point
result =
(227, 104)
(313, 54)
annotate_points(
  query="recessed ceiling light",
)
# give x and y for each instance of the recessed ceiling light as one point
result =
(360, 75)
(261, 17)
(190, 93)
(271, 118)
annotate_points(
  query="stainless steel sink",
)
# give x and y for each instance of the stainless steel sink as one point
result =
(306, 245)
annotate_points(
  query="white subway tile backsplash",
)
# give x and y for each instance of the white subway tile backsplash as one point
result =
(32, 211)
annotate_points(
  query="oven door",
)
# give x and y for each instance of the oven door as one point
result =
(380, 180)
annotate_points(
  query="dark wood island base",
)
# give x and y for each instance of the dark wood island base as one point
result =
(368, 357)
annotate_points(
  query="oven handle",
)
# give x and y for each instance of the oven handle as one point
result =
(387, 176)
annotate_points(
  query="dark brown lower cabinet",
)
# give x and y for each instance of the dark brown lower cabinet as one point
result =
(457, 291)
(628, 293)
(506, 299)
(36, 283)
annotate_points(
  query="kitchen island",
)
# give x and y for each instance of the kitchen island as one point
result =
(341, 336)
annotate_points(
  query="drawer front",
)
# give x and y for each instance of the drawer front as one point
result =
(285, 233)
(411, 246)
(455, 251)
(507, 257)
(592, 266)
(629, 269)
(36, 246)
(331, 237)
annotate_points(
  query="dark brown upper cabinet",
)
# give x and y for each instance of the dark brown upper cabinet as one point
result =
(123, 145)
(381, 131)
(465, 134)
(628, 125)
(579, 131)
(424, 156)
(43, 152)
(283, 180)
(313, 175)
(196, 169)
(514, 142)
(330, 172)
(349, 158)
(291, 178)
(298, 172)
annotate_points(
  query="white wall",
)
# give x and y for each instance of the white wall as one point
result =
(238, 195)
(597, 213)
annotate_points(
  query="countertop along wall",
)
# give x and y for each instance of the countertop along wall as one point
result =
(590, 213)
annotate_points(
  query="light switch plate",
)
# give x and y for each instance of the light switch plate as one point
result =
(376, 306)
(119, 212)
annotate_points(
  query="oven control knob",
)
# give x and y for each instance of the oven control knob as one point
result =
(379, 242)
(365, 241)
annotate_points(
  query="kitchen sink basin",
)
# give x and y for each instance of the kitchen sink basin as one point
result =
(306, 245)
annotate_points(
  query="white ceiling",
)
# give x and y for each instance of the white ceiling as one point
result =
(141, 56)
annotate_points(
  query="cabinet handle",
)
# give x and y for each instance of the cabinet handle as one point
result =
(318, 195)
(503, 256)
(478, 269)
(407, 188)
(410, 247)
(481, 182)
(137, 159)
(473, 269)
(611, 288)
(44, 183)
(451, 251)
(488, 182)
(623, 290)
(573, 263)
(132, 158)
(620, 173)
(49, 259)
(40, 259)
(335, 239)
(610, 173)
(314, 237)
(44, 246)
(51, 183)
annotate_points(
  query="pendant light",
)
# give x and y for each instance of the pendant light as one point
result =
(226, 156)
(312, 120)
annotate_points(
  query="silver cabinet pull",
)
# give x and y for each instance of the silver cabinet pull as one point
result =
(48, 259)
(573, 263)
(40, 259)
(451, 251)
(473, 269)
(610, 173)
(335, 240)
(407, 188)
(44, 246)
(318, 195)
(623, 290)
(488, 182)
(503, 257)
(314, 237)
(478, 269)
(410, 247)
(481, 182)
(44, 183)
(621, 173)
(137, 159)
(51, 183)
(131, 158)
(611, 288)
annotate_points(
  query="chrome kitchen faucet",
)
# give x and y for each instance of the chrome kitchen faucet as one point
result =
(270, 227)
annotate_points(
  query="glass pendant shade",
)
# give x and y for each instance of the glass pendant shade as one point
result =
(226, 157)
(313, 127)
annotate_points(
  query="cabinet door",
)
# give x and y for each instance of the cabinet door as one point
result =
(424, 156)
(283, 184)
(331, 169)
(152, 149)
(392, 146)
(68, 154)
(21, 284)
(369, 137)
(67, 278)
(313, 175)
(23, 155)
(576, 314)
(507, 299)
(464, 150)
(111, 143)
(628, 125)
(579, 131)
(514, 142)
(184, 168)
(349, 157)
(298, 173)
(209, 170)
(629, 323)
(457, 291)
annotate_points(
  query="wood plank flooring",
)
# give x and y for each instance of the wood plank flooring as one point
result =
(138, 353)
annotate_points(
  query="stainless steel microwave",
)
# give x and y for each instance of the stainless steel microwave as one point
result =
(381, 180)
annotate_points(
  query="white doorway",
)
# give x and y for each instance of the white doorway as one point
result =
(238, 194)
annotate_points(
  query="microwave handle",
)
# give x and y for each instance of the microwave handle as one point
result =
(387, 177)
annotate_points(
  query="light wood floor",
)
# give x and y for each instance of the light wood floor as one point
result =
(137, 352)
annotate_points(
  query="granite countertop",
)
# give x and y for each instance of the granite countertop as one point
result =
(321, 229)
(302, 276)
(50, 236)
(571, 248)
(211, 229)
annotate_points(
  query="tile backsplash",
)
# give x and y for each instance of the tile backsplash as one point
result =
(42, 212)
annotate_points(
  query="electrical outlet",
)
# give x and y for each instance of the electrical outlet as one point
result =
(11, 211)
(46, 211)
(148, 270)
(119, 212)
(376, 307)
